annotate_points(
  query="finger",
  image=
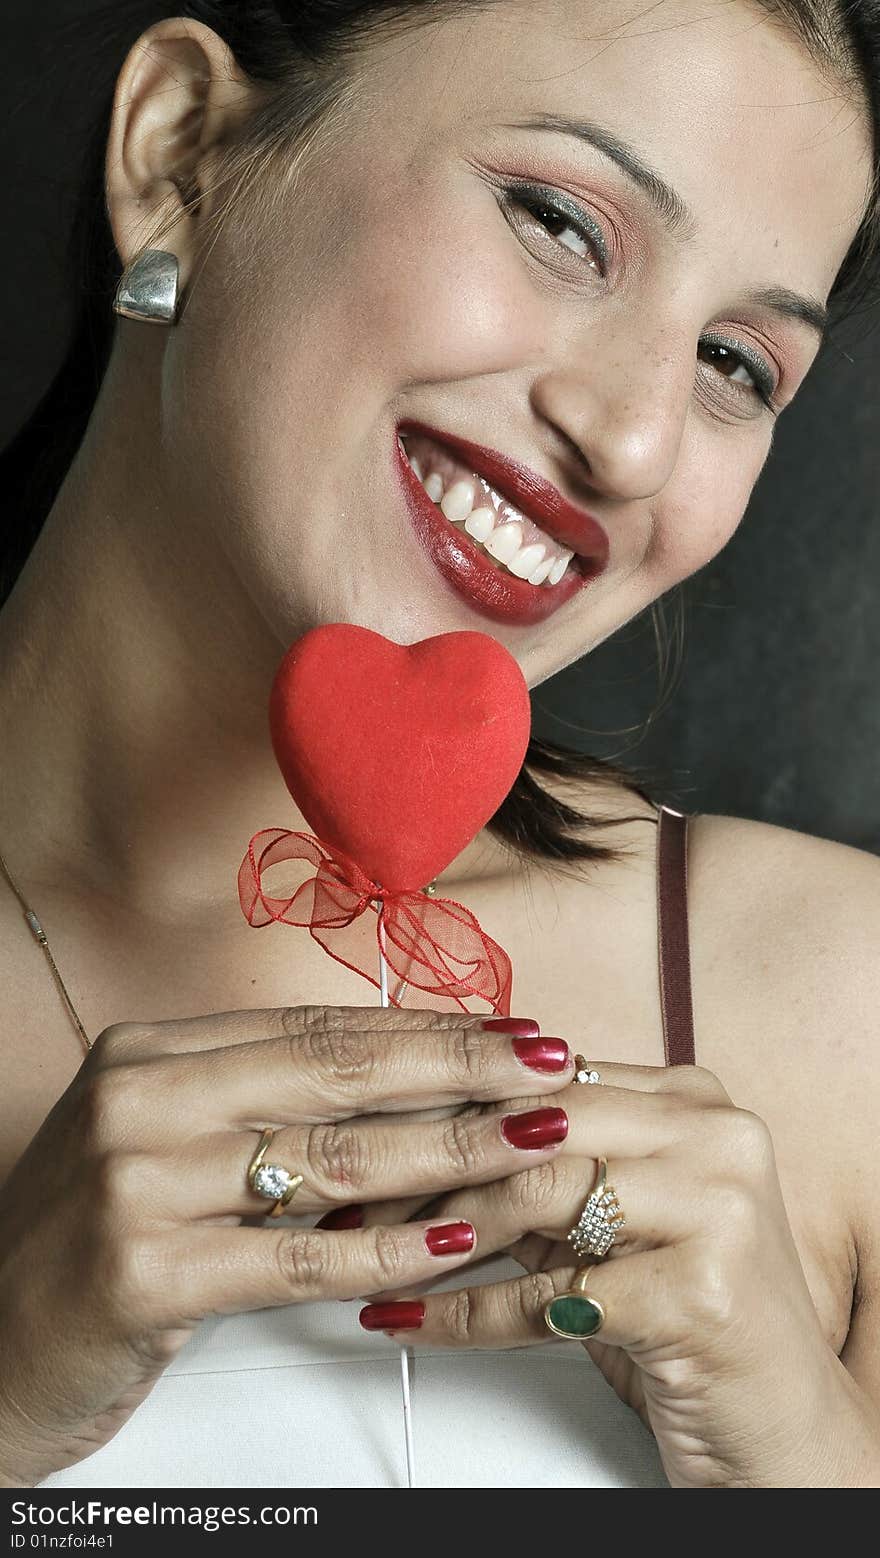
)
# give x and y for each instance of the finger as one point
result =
(510, 1201)
(642, 1306)
(401, 1208)
(548, 1200)
(694, 1081)
(217, 1030)
(621, 1122)
(335, 1072)
(348, 1161)
(493, 1315)
(224, 1271)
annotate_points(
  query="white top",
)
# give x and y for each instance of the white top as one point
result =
(302, 1397)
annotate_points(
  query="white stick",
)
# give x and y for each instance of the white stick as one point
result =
(405, 1367)
(383, 968)
(406, 1355)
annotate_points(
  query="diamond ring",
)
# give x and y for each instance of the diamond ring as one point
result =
(271, 1180)
(596, 1229)
(584, 1071)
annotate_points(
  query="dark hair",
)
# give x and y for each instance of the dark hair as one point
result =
(300, 49)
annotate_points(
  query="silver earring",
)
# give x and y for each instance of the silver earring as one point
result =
(149, 288)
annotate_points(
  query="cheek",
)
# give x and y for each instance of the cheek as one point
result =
(703, 508)
(436, 294)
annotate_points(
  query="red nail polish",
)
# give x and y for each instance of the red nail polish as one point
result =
(537, 1128)
(519, 1027)
(342, 1217)
(405, 1315)
(450, 1239)
(542, 1054)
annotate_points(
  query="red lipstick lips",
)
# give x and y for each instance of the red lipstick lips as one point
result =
(492, 590)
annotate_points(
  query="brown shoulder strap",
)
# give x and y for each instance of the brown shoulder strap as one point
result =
(674, 948)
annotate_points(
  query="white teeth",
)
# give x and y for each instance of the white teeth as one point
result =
(480, 524)
(559, 567)
(541, 571)
(527, 559)
(504, 542)
(458, 500)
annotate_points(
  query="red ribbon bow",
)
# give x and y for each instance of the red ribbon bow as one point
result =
(433, 944)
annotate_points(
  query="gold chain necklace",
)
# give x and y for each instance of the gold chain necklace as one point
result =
(40, 935)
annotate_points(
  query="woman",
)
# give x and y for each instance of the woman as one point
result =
(430, 220)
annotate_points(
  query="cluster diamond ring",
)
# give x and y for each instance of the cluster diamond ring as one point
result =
(584, 1072)
(596, 1229)
(271, 1180)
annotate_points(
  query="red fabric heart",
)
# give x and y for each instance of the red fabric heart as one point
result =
(398, 754)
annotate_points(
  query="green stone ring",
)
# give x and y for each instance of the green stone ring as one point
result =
(574, 1315)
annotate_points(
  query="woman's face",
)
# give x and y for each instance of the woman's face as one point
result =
(614, 349)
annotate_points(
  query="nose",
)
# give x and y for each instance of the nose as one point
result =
(622, 399)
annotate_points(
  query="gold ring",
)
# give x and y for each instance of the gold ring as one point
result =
(596, 1229)
(271, 1180)
(575, 1314)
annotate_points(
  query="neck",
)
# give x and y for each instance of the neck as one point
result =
(134, 693)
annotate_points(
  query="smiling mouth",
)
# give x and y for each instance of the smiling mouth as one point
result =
(506, 537)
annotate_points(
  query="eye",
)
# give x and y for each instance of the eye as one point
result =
(729, 358)
(559, 217)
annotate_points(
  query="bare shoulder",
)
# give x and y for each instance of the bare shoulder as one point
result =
(739, 844)
(789, 923)
(805, 909)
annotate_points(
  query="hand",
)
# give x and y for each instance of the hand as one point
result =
(120, 1226)
(710, 1331)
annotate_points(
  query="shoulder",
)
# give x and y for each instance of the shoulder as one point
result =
(800, 916)
(804, 913)
(808, 907)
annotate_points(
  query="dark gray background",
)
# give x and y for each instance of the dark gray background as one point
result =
(775, 714)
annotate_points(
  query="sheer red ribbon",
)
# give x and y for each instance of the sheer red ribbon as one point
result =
(435, 946)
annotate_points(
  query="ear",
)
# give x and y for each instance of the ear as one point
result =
(179, 95)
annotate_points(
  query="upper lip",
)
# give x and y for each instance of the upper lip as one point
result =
(532, 494)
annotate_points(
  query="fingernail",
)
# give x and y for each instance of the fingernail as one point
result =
(342, 1217)
(450, 1239)
(520, 1027)
(402, 1316)
(542, 1054)
(537, 1128)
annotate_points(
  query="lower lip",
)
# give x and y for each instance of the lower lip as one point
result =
(493, 591)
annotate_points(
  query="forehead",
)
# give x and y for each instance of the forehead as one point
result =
(724, 101)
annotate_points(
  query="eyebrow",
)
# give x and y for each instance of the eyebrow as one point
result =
(677, 216)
